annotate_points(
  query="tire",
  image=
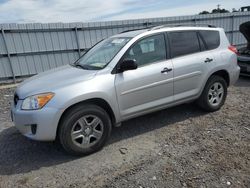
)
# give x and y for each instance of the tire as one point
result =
(211, 91)
(84, 129)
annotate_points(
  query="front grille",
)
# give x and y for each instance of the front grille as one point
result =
(16, 98)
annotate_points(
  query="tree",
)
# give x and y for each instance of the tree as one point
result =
(217, 10)
(204, 12)
(214, 11)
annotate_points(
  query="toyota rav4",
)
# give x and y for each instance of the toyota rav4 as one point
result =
(122, 77)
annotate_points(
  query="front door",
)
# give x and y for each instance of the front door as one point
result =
(151, 84)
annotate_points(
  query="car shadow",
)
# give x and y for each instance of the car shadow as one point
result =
(155, 120)
(21, 155)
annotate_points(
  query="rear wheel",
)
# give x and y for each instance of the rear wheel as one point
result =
(214, 94)
(84, 129)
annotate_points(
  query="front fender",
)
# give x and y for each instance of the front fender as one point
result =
(102, 88)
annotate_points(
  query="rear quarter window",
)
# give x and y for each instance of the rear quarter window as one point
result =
(211, 39)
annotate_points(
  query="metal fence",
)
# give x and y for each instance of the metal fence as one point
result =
(27, 49)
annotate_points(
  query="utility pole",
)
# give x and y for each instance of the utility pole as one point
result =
(218, 7)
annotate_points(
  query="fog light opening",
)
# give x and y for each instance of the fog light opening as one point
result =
(33, 128)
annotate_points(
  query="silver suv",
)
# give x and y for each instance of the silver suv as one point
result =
(122, 77)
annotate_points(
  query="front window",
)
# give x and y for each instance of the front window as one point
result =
(148, 50)
(101, 54)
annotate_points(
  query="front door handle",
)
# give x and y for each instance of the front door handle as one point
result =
(166, 70)
(207, 60)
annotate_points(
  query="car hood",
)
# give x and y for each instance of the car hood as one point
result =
(245, 30)
(53, 79)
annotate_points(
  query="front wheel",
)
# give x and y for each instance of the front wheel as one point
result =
(84, 129)
(214, 94)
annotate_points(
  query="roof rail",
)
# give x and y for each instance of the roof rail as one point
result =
(136, 29)
(180, 25)
(151, 28)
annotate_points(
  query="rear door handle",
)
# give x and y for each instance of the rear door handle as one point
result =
(207, 60)
(166, 70)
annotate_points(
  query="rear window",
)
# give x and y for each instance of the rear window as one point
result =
(211, 39)
(183, 43)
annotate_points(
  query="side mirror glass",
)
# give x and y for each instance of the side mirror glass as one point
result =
(128, 64)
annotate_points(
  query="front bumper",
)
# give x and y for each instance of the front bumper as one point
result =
(45, 121)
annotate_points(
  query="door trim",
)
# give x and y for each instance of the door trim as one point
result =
(148, 86)
(190, 75)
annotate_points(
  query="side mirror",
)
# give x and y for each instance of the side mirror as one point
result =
(128, 64)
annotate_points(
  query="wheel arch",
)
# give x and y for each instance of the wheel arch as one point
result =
(95, 101)
(222, 73)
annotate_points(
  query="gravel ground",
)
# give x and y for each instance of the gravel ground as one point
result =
(176, 147)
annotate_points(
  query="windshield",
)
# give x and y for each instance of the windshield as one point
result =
(101, 54)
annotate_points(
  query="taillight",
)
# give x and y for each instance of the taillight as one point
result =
(233, 49)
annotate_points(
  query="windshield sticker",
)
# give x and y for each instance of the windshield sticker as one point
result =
(118, 41)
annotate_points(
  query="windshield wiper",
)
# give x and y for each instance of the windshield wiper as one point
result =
(86, 67)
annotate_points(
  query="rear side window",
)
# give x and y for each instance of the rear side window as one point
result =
(183, 43)
(211, 39)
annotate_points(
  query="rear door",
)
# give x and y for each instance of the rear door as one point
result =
(188, 62)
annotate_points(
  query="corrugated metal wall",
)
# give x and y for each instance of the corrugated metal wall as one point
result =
(27, 49)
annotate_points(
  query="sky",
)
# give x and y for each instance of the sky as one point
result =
(45, 11)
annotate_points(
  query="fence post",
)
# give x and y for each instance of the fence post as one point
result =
(232, 29)
(77, 42)
(8, 54)
(195, 21)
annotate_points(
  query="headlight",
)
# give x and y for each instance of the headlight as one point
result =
(36, 102)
